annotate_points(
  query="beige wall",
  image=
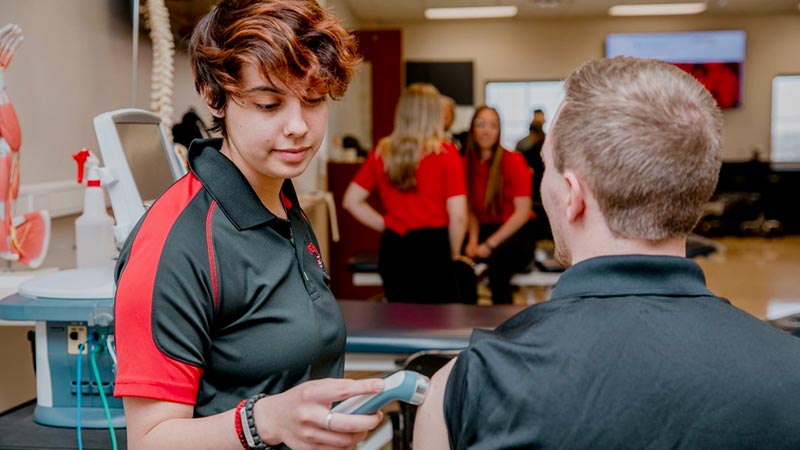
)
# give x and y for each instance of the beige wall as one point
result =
(517, 49)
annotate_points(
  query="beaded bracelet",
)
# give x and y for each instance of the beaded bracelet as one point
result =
(237, 423)
(246, 425)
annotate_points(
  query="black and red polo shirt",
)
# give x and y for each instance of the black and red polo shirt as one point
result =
(218, 299)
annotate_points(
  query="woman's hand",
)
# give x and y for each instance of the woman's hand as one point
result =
(299, 416)
(355, 201)
(484, 250)
(471, 249)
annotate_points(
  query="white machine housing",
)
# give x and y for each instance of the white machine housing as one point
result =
(119, 154)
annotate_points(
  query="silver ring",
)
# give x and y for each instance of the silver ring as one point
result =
(328, 420)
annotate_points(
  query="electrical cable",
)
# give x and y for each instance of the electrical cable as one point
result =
(93, 350)
(79, 388)
(110, 345)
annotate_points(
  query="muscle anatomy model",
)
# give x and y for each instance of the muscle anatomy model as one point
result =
(22, 238)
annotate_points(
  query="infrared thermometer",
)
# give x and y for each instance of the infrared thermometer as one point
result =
(404, 386)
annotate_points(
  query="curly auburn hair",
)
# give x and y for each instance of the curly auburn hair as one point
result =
(296, 42)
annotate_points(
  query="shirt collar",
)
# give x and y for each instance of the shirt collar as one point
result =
(612, 276)
(228, 186)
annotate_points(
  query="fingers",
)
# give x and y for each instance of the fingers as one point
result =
(10, 33)
(333, 390)
(338, 440)
(298, 416)
(354, 423)
(345, 431)
(10, 38)
(8, 29)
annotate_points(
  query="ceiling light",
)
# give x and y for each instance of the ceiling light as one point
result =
(478, 12)
(662, 9)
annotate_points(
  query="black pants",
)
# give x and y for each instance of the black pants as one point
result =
(417, 268)
(512, 256)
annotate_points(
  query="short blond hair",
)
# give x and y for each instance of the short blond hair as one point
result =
(647, 139)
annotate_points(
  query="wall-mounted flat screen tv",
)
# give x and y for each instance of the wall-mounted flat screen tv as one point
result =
(716, 58)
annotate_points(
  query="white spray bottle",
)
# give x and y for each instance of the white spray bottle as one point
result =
(94, 229)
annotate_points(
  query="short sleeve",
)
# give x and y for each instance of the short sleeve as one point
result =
(455, 181)
(163, 306)
(520, 175)
(479, 400)
(466, 393)
(457, 402)
(369, 173)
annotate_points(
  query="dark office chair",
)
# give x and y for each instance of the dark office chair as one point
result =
(426, 363)
(789, 324)
(699, 246)
(744, 201)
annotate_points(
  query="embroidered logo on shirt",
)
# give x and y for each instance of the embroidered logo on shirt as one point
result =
(312, 249)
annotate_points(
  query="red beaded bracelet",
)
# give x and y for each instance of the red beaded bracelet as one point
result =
(237, 422)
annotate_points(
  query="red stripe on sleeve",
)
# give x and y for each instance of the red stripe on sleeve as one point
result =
(144, 371)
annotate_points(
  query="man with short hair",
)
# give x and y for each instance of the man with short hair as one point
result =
(536, 134)
(531, 148)
(632, 350)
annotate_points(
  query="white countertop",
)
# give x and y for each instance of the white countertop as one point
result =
(9, 285)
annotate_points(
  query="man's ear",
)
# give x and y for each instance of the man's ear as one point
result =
(576, 196)
(205, 93)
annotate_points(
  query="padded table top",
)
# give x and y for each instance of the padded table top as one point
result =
(408, 328)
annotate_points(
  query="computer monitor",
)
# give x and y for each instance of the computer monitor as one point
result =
(715, 58)
(138, 163)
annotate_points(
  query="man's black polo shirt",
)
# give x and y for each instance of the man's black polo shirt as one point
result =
(218, 299)
(631, 352)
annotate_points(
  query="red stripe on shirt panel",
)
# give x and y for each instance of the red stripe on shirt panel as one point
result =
(287, 203)
(144, 371)
(212, 262)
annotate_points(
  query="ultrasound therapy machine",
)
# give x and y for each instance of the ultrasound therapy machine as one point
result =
(73, 309)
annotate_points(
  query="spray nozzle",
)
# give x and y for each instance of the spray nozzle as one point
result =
(86, 162)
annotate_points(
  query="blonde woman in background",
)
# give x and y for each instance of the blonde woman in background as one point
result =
(419, 178)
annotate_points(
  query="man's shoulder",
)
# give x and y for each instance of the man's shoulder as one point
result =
(540, 319)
